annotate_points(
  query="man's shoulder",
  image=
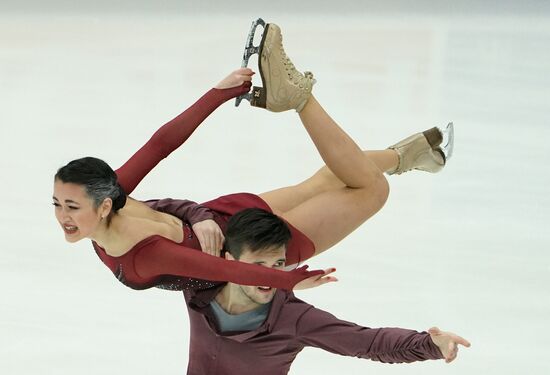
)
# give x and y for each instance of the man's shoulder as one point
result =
(287, 311)
(289, 301)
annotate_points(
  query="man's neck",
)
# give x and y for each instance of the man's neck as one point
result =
(231, 299)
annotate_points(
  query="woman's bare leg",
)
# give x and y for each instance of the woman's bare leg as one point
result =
(284, 199)
(330, 215)
(352, 187)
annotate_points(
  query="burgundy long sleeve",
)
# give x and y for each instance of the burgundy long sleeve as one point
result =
(291, 325)
(321, 329)
(172, 135)
(185, 209)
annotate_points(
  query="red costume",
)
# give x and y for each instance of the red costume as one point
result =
(158, 261)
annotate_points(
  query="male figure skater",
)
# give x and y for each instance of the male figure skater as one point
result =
(239, 329)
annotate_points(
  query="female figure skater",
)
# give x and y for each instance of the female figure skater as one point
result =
(146, 247)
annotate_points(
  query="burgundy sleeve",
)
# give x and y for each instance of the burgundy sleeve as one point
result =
(186, 210)
(164, 257)
(172, 135)
(389, 345)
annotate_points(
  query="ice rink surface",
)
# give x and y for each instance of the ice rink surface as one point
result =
(465, 249)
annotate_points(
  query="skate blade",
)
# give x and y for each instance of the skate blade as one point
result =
(249, 50)
(447, 144)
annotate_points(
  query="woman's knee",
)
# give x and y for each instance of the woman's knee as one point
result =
(375, 196)
(382, 190)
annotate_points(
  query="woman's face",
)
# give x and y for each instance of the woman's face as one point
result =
(75, 211)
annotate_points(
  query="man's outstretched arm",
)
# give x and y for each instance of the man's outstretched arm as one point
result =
(320, 329)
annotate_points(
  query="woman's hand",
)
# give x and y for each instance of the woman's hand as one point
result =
(236, 78)
(210, 236)
(447, 342)
(317, 280)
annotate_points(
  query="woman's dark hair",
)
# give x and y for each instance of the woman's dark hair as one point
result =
(256, 229)
(99, 180)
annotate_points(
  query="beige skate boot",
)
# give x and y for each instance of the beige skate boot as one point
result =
(423, 151)
(285, 87)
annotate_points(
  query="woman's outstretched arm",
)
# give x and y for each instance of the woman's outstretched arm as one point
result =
(161, 257)
(174, 133)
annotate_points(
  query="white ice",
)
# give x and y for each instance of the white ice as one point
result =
(465, 249)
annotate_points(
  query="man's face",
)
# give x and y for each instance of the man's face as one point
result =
(274, 257)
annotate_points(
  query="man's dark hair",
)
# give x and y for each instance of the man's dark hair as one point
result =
(256, 229)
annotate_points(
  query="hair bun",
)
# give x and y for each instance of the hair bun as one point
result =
(120, 200)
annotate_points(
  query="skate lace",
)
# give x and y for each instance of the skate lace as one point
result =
(293, 74)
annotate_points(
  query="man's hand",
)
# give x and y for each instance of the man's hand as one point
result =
(447, 342)
(210, 236)
(317, 280)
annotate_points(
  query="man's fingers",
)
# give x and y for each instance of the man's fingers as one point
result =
(209, 247)
(453, 352)
(209, 235)
(219, 243)
(451, 346)
(447, 342)
(206, 245)
(201, 242)
(462, 341)
(459, 340)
